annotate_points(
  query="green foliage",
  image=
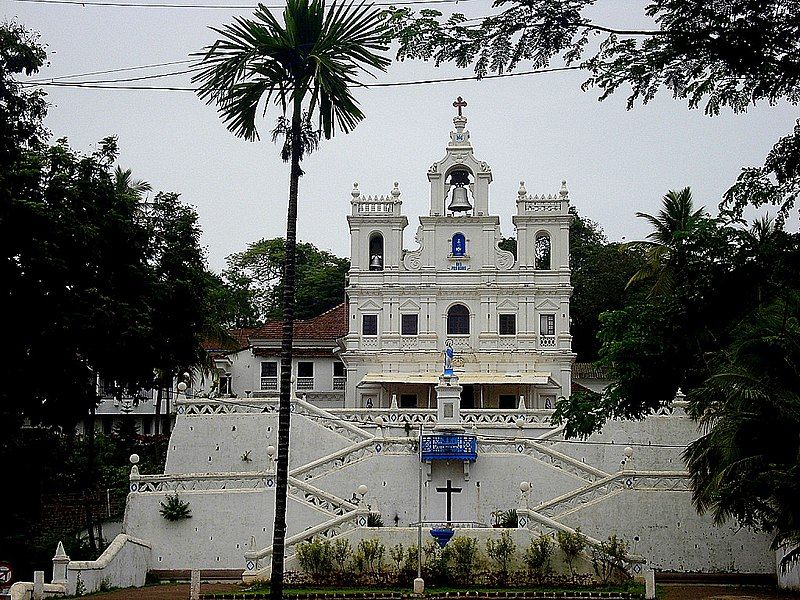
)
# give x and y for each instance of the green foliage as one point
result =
(538, 558)
(341, 554)
(368, 558)
(502, 551)
(745, 466)
(374, 520)
(317, 54)
(610, 558)
(599, 273)
(317, 558)
(726, 55)
(464, 558)
(255, 274)
(175, 509)
(571, 545)
(80, 587)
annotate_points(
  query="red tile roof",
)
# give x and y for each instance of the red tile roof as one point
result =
(329, 326)
(240, 340)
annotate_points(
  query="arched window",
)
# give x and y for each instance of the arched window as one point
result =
(458, 320)
(459, 245)
(376, 252)
(542, 251)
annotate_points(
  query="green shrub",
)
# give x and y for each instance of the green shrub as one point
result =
(435, 569)
(175, 509)
(374, 520)
(341, 554)
(571, 544)
(538, 557)
(502, 553)
(368, 558)
(316, 558)
(609, 558)
(464, 558)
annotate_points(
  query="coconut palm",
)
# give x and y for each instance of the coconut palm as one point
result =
(124, 183)
(662, 249)
(746, 466)
(307, 67)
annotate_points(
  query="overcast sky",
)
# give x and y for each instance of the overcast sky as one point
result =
(537, 128)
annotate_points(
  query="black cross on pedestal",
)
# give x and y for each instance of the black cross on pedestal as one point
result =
(449, 490)
(459, 104)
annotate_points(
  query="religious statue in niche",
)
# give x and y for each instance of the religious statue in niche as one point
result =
(459, 245)
(448, 357)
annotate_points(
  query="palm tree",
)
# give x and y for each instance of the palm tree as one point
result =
(124, 183)
(662, 249)
(746, 465)
(306, 66)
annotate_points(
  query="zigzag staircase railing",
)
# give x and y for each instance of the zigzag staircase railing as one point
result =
(353, 454)
(338, 425)
(531, 516)
(323, 501)
(258, 562)
(320, 499)
(544, 454)
(612, 485)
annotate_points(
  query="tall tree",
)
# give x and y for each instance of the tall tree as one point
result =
(746, 466)
(721, 54)
(307, 66)
(256, 273)
(664, 250)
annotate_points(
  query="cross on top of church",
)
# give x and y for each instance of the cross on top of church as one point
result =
(459, 104)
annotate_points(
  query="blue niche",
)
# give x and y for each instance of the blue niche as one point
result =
(459, 245)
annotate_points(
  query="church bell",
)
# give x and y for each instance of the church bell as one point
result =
(376, 264)
(459, 201)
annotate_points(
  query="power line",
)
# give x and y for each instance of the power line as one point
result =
(111, 84)
(213, 6)
(107, 71)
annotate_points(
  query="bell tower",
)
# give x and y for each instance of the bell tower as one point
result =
(459, 182)
(376, 231)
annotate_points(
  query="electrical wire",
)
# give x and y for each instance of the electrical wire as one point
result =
(112, 84)
(108, 71)
(212, 6)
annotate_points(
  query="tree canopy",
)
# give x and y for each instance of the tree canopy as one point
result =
(730, 54)
(254, 278)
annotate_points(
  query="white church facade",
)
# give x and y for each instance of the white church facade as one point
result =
(367, 392)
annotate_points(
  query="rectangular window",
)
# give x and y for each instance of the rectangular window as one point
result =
(409, 324)
(269, 369)
(547, 324)
(508, 324)
(369, 325)
(408, 401)
(305, 369)
(338, 369)
(225, 385)
(269, 376)
(507, 402)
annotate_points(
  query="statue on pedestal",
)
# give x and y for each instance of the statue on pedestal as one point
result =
(448, 358)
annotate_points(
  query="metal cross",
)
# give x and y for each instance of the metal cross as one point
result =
(459, 104)
(449, 490)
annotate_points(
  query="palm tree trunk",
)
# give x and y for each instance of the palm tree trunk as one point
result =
(284, 411)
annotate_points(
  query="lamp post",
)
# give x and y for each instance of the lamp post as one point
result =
(419, 582)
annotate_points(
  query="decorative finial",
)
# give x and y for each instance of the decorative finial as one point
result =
(522, 191)
(396, 190)
(459, 104)
(563, 192)
(355, 193)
